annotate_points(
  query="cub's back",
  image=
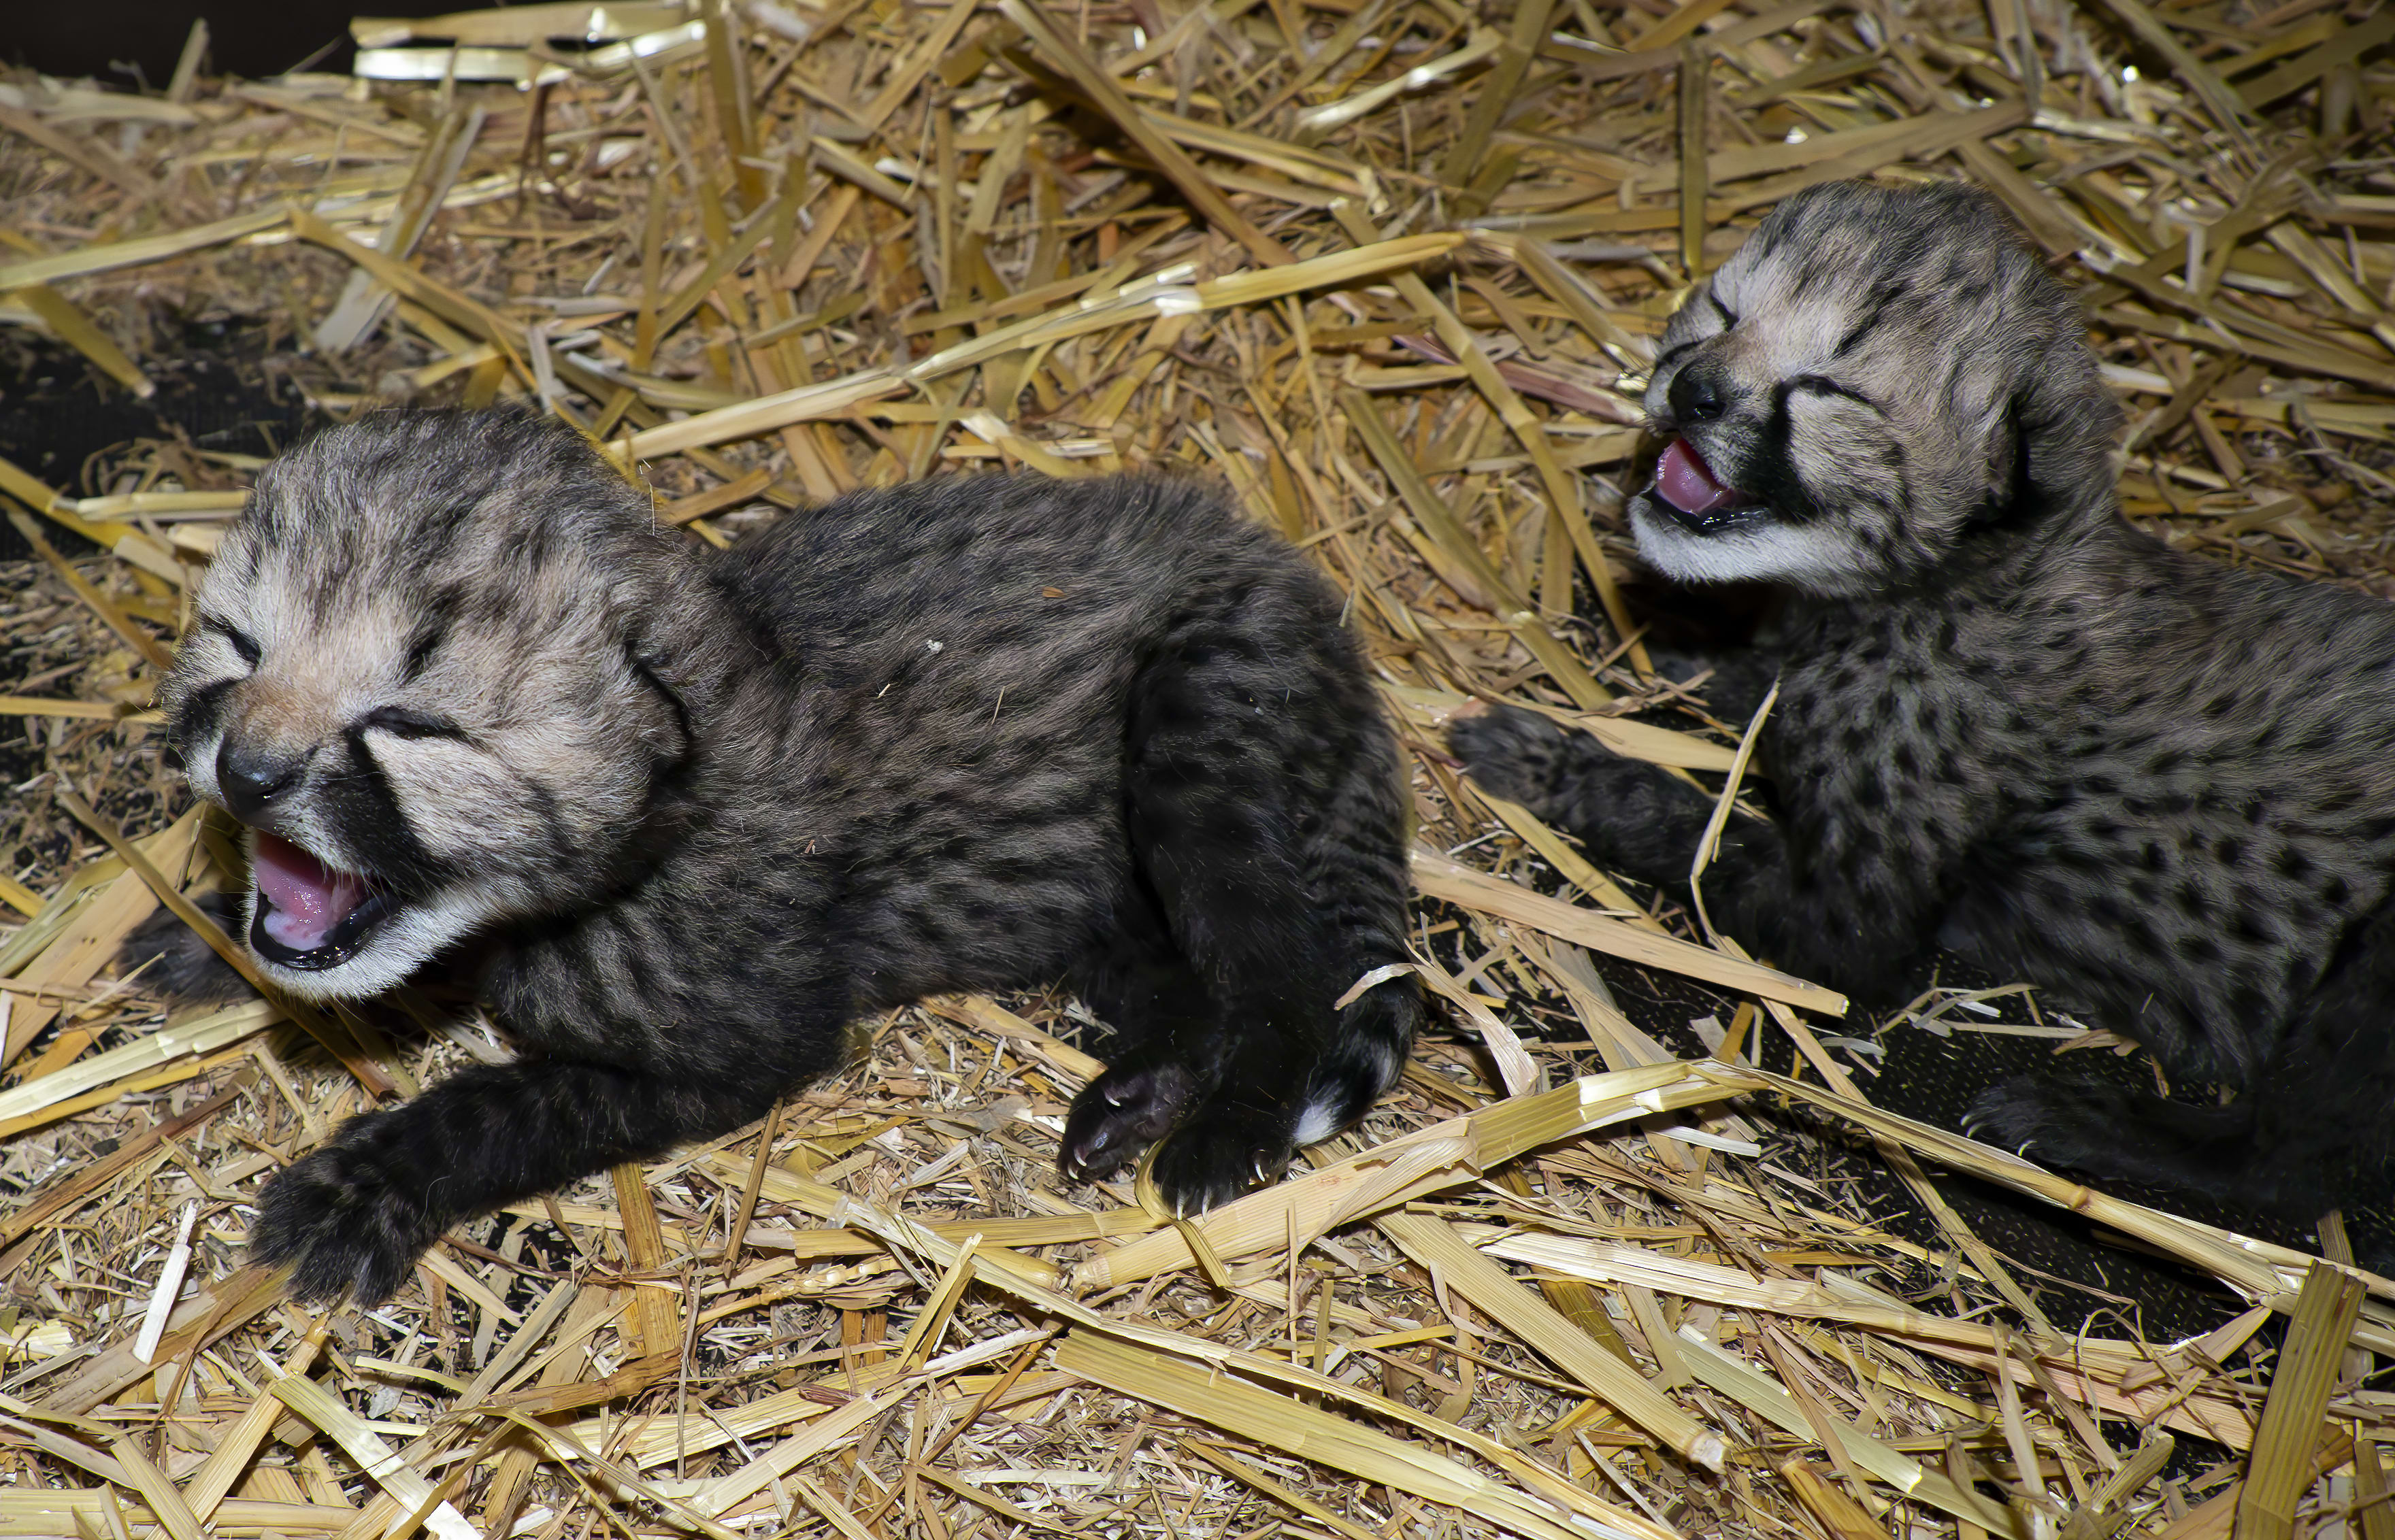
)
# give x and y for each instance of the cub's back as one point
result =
(2200, 765)
(964, 654)
(2265, 687)
(991, 557)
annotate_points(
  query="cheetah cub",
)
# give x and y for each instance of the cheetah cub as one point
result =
(693, 813)
(2008, 722)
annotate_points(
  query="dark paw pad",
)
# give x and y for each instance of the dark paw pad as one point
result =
(1218, 1154)
(341, 1224)
(1512, 752)
(1121, 1113)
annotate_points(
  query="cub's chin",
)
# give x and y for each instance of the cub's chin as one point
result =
(1693, 527)
(1755, 547)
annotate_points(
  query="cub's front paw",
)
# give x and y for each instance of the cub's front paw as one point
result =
(1222, 1152)
(1633, 819)
(1517, 754)
(341, 1222)
(1121, 1113)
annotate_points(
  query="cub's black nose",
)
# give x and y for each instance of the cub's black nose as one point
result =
(250, 778)
(1699, 392)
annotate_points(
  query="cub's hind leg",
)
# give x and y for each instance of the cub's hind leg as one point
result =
(1280, 879)
(1357, 883)
(1166, 1053)
(2307, 1133)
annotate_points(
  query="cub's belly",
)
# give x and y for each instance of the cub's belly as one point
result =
(983, 919)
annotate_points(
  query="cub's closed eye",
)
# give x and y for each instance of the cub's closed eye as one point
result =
(1821, 385)
(1728, 317)
(400, 722)
(239, 640)
(419, 652)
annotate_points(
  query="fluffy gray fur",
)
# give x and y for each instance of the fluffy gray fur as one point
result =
(693, 813)
(2008, 721)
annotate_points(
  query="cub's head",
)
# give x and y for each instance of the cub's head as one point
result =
(1873, 373)
(424, 671)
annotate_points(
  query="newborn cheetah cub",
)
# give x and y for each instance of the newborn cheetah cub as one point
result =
(695, 812)
(2008, 722)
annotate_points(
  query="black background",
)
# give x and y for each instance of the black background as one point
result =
(247, 37)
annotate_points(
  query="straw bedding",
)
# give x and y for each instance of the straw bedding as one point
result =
(1631, 1252)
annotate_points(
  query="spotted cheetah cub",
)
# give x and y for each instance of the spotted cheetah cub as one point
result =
(2008, 722)
(692, 813)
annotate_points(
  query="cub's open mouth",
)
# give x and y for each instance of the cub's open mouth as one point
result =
(1695, 497)
(309, 917)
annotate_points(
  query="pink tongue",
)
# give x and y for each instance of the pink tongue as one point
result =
(1688, 483)
(309, 898)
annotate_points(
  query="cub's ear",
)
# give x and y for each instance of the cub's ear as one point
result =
(2053, 441)
(2007, 492)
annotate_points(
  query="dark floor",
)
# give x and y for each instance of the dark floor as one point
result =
(136, 42)
(58, 414)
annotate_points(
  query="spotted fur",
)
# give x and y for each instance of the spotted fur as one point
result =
(694, 813)
(2009, 722)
